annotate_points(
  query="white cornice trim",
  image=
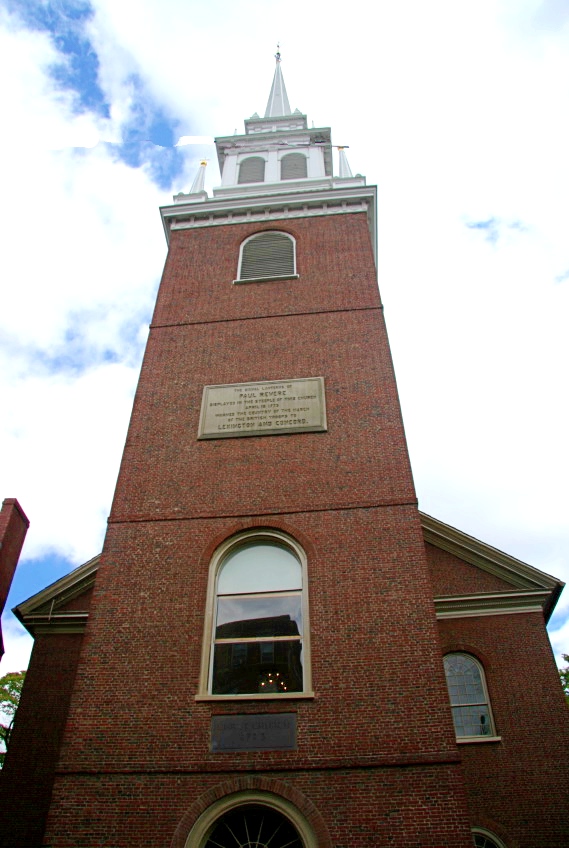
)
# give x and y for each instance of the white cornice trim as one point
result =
(494, 603)
(336, 198)
(40, 614)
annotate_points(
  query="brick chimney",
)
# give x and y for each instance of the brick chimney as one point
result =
(13, 528)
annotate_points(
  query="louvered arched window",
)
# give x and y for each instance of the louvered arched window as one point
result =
(293, 166)
(267, 256)
(252, 170)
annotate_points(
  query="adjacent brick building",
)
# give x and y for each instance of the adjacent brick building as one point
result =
(256, 657)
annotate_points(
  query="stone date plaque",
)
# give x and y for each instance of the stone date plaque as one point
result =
(263, 409)
(266, 732)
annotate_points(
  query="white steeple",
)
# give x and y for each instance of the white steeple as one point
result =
(278, 168)
(277, 104)
(199, 179)
(278, 159)
(345, 170)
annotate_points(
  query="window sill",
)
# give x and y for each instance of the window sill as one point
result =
(266, 279)
(469, 740)
(275, 696)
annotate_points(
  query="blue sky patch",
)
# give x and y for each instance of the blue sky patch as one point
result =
(488, 227)
(78, 69)
(493, 228)
(149, 136)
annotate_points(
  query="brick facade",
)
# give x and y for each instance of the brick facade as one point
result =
(377, 761)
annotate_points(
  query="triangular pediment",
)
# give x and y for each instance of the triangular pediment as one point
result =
(504, 584)
(62, 606)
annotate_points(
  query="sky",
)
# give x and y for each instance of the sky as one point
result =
(458, 112)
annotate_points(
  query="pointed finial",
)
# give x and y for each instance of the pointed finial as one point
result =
(278, 104)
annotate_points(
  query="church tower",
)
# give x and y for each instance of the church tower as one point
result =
(261, 650)
(260, 664)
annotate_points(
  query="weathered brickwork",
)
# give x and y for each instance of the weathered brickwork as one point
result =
(452, 576)
(365, 632)
(346, 495)
(377, 761)
(355, 807)
(27, 777)
(518, 787)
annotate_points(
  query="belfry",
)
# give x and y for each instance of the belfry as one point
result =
(275, 646)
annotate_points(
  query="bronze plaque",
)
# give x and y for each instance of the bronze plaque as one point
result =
(264, 732)
(263, 409)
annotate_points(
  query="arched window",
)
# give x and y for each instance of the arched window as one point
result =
(252, 170)
(252, 818)
(468, 696)
(293, 166)
(257, 636)
(484, 839)
(254, 826)
(267, 256)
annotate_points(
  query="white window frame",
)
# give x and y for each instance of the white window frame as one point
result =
(293, 276)
(248, 537)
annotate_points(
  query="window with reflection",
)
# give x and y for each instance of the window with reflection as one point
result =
(259, 619)
(468, 696)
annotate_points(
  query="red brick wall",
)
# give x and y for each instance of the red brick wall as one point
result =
(361, 460)
(369, 628)
(347, 495)
(519, 787)
(334, 261)
(208, 331)
(361, 808)
(27, 777)
(453, 576)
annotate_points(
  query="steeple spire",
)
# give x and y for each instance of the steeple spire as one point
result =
(345, 170)
(278, 104)
(199, 179)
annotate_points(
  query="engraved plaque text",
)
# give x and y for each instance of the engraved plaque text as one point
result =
(263, 409)
(267, 732)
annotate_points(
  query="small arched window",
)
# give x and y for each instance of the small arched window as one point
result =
(293, 166)
(468, 696)
(256, 639)
(252, 170)
(267, 256)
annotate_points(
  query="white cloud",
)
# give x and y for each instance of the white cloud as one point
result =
(18, 645)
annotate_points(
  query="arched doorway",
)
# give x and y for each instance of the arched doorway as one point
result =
(251, 819)
(253, 826)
